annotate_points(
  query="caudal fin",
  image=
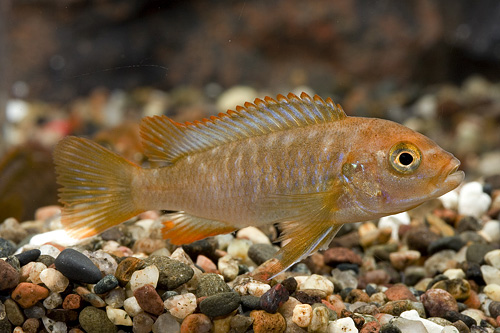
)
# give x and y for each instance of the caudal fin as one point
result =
(96, 187)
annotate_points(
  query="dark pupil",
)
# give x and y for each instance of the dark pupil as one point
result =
(405, 159)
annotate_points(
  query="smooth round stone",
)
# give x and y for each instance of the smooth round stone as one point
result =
(36, 312)
(492, 291)
(54, 280)
(454, 273)
(250, 302)
(472, 200)
(172, 273)
(477, 251)
(149, 300)
(316, 281)
(204, 247)
(238, 249)
(438, 301)
(118, 316)
(228, 267)
(142, 323)
(320, 318)
(106, 284)
(399, 292)
(46, 259)
(260, 253)
(166, 323)
(220, 304)
(77, 267)
(401, 259)
(13, 312)
(454, 243)
(196, 323)
(28, 256)
(342, 325)
(491, 275)
(181, 306)
(7, 247)
(95, 320)
(126, 268)
(240, 323)
(302, 315)
(458, 288)
(492, 258)
(274, 298)
(211, 284)
(9, 277)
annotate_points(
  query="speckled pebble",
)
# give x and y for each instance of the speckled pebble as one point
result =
(13, 312)
(106, 284)
(27, 294)
(342, 325)
(458, 288)
(264, 322)
(53, 301)
(228, 267)
(9, 277)
(272, 299)
(96, 321)
(172, 273)
(7, 247)
(181, 306)
(438, 301)
(211, 284)
(126, 268)
(399, 292)
(302, 315)
(220, 304)
(72, 302)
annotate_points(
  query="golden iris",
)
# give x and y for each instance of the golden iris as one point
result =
(405, 157)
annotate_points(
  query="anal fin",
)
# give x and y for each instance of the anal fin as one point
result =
(183, 228)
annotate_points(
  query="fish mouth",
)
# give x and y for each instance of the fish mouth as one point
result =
(454, 176)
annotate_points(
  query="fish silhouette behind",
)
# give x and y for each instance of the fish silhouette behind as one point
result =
(296, 161)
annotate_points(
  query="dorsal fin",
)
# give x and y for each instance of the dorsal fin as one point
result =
(166, 140)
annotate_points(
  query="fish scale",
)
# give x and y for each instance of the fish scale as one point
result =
(296, 161)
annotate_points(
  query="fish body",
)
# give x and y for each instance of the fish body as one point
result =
(297, 161)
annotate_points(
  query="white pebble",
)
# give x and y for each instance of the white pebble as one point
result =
(224, 240)
(450, 200)
(36, 269)
(472, 200)
(54, 280)
(56, 236)
(132, 306)
(491, 275)
(142, 277)
(53, 326)
(316, 281)
(53, 301)
(228, 267)
(302, 315)
(342, 325)
(181, 306)
(115, 298)
(407, 325)
(492, 258)
(492, 290)
(238, 249)
(118, 316)
(454, 273)
(393, 222)
(49, 250)
(450, 329)
(430, 326)
(253, 234)
(257, 288)
(491, 231)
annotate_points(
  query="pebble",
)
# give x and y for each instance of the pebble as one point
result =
(472, 200)
(53, 326)
(166, 323)
(115, 298)
(438, 301)
(181, 306)
(132, 307)
(13, 312)
(77, 267)
(220, 304)
(53, 301)
(399, 292)
(319, 282)
(492, 291)
(272, 299)
(54, 280)
(490, 274)
(72, 302)
(49, 250)
(118, 316)
(342, 325)
(401, 259)
(126, 268)
(302, 315)
(206, 264)
(491, 231)
(476, 252)
(240, 323)
(28, 256)
(146, 276)
(338, 255)
(172, 273)
(320, 318)
(96, 321)
(238, 249)
(9, 277)
(492, 258)
(393, 222)
(31, 325)
(264, 322)
(7, 247)
(454, 243)
(211, 284)
(149, 300)
(255, 235)
(142, 323)
(430, 326)
(260, 253)
(228, 267)
(458, 288)
(27, 294)
(104, 261)
(196, 323)
(106, 284)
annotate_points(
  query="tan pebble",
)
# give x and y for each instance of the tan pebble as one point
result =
(222, 325)
(264, 322)
(337, 304)
(126, 268)
(302, 315)
(47, 212)
(253, 234)
(196, 323)
(400, 260)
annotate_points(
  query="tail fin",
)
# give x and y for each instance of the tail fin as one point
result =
(96, 187)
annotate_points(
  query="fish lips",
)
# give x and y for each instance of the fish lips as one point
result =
(454, 177)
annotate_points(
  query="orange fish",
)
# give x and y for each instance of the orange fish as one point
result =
(300, 162)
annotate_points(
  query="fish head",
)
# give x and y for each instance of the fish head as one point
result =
(394, 168)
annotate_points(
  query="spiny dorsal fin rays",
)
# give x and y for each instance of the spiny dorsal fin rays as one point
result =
(166, 140)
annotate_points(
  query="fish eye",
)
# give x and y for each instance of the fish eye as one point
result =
(405, 157)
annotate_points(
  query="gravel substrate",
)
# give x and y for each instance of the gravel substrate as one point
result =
(436, 269)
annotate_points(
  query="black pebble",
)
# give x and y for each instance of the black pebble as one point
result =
(345, 266)
(290, 284)
(260, 253)
(453, 316)
(106, 284)
(250, 302)
(77, 267)
(220, 304)
(28, 256)
(305, 298)
(446, 243)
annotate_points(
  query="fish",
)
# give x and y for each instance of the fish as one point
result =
(299, 162)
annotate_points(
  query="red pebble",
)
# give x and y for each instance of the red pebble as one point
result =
(149, 300)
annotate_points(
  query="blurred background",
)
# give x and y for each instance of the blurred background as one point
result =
(95, 68)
